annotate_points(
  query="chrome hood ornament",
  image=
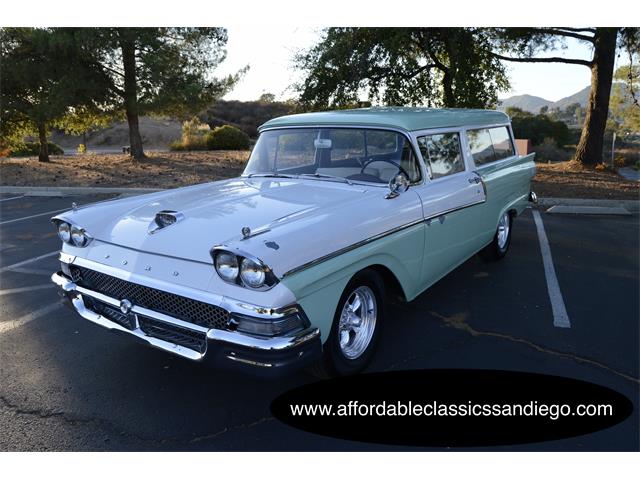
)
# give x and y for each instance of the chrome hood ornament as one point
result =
(164, 219)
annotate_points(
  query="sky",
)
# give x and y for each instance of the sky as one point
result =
(268, 50)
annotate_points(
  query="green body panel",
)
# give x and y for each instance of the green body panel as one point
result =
(421, 254)
(508, 184)
(319, 288)
(404, 118)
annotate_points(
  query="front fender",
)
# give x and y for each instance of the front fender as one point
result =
(318, 288)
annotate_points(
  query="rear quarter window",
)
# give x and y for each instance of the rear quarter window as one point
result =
(490, 144)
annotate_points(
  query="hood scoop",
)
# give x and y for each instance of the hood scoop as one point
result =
(164, 219)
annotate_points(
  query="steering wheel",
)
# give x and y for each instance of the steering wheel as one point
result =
(366, 163)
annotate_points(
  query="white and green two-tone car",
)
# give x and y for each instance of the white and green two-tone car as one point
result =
(290, 265)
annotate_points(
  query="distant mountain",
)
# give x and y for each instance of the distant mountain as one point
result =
(528, 103)
(533, 104)
(582, 97)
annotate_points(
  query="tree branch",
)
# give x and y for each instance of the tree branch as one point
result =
(566, 32)
(570, 61)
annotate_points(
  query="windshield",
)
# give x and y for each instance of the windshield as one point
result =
(353, 154)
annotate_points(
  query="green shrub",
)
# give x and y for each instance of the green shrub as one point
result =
(227, 137)
(189, 143)
(538, 127)
(548, 151)
(82, 148)
(193, 136)
(30, 149)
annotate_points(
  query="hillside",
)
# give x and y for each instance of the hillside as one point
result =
(533, 104)
(529, 103)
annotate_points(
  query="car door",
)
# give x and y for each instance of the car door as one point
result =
(450, 198)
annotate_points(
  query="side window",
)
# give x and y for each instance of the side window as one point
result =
(442, 154)
(490, 144)
(502, 144)
(481, 146)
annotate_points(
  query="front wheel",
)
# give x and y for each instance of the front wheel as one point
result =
(498, 248)
(356, 327)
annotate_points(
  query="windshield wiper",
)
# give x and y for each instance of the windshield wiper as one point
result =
(324, 175)
(270, 175)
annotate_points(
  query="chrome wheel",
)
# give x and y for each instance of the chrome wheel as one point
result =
(357, 322)
(503, 231)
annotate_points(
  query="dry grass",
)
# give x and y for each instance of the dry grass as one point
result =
(159, 170)
(572, 180)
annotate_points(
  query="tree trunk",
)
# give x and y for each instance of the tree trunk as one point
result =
(43, 156)
(589, 151)
(127, 45)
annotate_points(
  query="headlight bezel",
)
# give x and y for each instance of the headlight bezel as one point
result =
(270, 279)
(59, 227)
(72, 229)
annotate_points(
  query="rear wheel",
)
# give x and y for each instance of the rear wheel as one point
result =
(499, 247)
(355, 329)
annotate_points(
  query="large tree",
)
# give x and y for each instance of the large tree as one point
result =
(454, 67)
(450, 67)
(526, 45)
(161, 71)
(45, 73)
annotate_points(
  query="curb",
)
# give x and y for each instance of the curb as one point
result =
(631, 205)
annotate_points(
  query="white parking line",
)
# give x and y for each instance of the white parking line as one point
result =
(560, 317)
(26, 262)
(10, 198)
(19, 322)
(33, 216)
(10, 291)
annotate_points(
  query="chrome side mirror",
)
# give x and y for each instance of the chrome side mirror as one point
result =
(398, 184)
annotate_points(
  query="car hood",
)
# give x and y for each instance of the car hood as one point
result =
(306, 211)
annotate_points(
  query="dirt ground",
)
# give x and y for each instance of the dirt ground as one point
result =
(159, 170)
(176, 169)
(570, 180)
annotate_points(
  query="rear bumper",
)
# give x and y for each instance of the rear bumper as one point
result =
(262, 356)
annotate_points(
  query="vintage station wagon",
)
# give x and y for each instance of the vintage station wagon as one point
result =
(290, 265)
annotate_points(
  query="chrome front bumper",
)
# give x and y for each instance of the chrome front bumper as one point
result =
(282, 353)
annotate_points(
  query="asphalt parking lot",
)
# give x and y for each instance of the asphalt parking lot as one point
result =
(66, 384)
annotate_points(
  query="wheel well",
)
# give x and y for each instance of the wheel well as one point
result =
(513, 212)
(393, 289)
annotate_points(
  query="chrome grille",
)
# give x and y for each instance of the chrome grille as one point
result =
(187, 309)
(112, 313)
(173, 334)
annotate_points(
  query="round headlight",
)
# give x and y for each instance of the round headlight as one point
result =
(227, 266)
(252, 274)
(78, 237)
(64, 232)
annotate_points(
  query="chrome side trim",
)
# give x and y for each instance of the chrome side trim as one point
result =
(352, 247)
(377, 237)
(454, 209)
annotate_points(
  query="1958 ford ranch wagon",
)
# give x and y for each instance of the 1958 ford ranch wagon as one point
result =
(290, 265)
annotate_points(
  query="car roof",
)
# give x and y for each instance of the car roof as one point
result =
(404, 118)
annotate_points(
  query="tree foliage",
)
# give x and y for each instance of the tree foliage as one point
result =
(161, 71)
(625, 99)
(45, 73)
(447, 67)
(537, 128)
